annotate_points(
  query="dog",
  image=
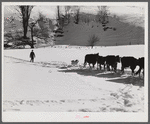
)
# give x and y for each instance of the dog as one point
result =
(74, 62)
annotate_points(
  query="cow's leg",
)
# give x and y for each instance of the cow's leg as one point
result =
(132, 68)
(132, 72)
(89, 65)
(104, 67)
(84, 64)
(97, 66)
(100, 66)
(93, 65)
(142, 72)
(139, 71)
(108, 67)
(112, 67)
(115, 67)
(122, 69)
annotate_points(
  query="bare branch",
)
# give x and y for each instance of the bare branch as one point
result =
(30, 9)
(18, 11)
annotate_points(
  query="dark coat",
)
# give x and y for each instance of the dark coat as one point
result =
(32, 55)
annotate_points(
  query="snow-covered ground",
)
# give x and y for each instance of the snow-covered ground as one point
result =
(51, 84)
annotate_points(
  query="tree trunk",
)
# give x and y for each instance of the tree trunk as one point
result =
(32, 44)
(25, 26)
(58, 15)
(58, 12)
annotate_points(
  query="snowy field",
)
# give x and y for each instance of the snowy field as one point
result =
(51, 84)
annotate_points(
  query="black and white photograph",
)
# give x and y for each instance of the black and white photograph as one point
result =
(74, 61)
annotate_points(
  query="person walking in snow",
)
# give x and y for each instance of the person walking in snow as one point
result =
(32, 56)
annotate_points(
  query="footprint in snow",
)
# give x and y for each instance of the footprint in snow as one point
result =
(62, 100)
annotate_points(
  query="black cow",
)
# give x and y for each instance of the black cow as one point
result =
(112, 61)
(128, 62)
(91, 59)
(140, 63)
(101, 61)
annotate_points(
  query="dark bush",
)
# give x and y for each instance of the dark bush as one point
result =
(114, 29)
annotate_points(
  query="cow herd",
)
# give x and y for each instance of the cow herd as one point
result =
(112, 61)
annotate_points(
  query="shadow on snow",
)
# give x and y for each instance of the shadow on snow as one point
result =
(108, 75)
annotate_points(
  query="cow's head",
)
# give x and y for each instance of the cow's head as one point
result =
(138, 61)
(117, 58)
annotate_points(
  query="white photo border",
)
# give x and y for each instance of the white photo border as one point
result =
(71, 116)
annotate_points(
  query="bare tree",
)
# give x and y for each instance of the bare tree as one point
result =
(25, 12)
(67, 15)
(58, 13)
(32, 25)
(62, 21)
(77, 14)
(41, 32)
(102, 15)
(60, 18)
(92, 40)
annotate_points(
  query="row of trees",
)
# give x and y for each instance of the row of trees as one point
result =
(101, 17)
(62, 19)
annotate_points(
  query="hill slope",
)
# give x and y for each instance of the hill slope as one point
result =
(125, 33)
